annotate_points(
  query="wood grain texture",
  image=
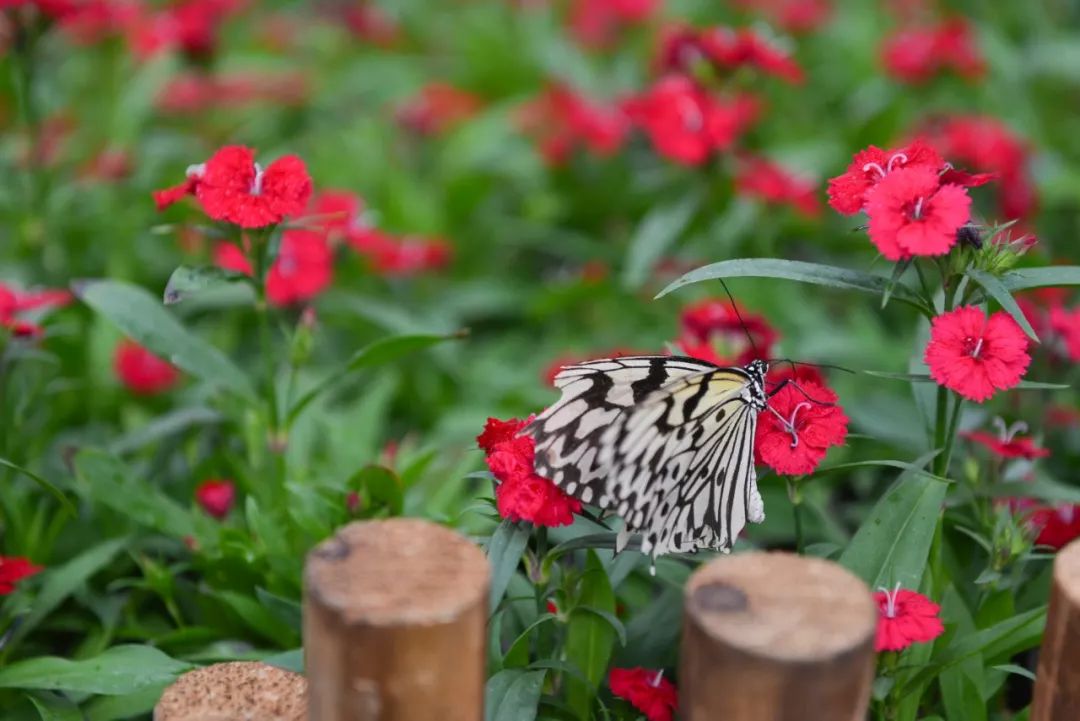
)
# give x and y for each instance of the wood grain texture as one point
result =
(395, 616)
(238, 691)
(776, 637)
(1057, 685)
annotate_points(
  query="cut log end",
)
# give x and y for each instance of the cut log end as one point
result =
(1057, 685)
(240, 691)
(782, 606)
(399, 571)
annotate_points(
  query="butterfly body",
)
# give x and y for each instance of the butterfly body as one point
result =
(664, 441)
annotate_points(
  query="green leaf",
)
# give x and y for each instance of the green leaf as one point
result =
(145, 320)
(962, 685)
(164, 426)
(381, 352)
(283, 609)
(897, 273)
(513, 695)
(1014, 669)
(186, 281)
(119, 670)
(504, 552)
(108, 482)
(53, 707)
(518, 654)
(50, 488)
(61, 581)
(892, 544)
(814, 273)
(590, 639)
(924, 378)
(886, 463)
(611, 619)
(997, 290)
(259, 618)
(288, 660)
(381, 487)
(115, 708)
(657, 231)
(1055, 275)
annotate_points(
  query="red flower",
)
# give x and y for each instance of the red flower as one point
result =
(12, 570)
(794, 16)
(169, 196)
(647, 691)
(15, 305)
(1007, 443)
(718, 332)
(915, 54)
(195, 93)
(730, 48)
(905, 617)
(303, 269)
(521, 494)
(1056, 526)
(438, 108)
(595, 23)
(801, 423)
(560, 119)
(687, 125)
(367, 21)
(761, 178)
(335, 212)
(216, 497)
(141, 371)
(409, 256)
(232, 187)
(912, 214)
(975, 355)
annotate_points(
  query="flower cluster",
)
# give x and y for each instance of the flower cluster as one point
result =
(975, 355)
(724, 50)
(905, 617)
(646, 690)
(190, 26)
(560, 120)
(917, 53)
(916, 202)
(17, 307)
(719, 332)
(233, 188)
(522, 494)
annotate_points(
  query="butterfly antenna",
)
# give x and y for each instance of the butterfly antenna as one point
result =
(735, 309)
(794, 363)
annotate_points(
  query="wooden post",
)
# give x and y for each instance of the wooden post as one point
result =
(395, 614)
(776, 637)
(1057, 682)
(239, 691)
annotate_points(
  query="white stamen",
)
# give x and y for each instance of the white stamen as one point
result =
(256, 185)
(898, 157)
(691, 115)
(195, 171)
(656, 681)
(918, 208)
(1007, 433)
(978, 348)
(945, 168)
(874, 166)
(890, 600)
(789, 424)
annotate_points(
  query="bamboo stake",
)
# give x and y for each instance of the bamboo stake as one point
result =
(394, 624)
(776, 637)
(1057, 684)
(239, 691)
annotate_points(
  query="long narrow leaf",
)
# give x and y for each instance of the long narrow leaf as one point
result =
(1001, 294)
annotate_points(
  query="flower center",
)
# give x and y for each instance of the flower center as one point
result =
(890, 600)
(1007, 433)
(655, 683)
(256, 184)
(973, 346)
(789, 423)
(895, 160)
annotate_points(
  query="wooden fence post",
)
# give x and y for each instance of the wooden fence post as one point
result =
(238, 691)
(1057, 682)
(776, 637)
(395, 614)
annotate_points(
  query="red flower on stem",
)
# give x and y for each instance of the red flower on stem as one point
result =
(905, 617)
(232, 187)
(522, 494)
(800, 424)
(916, 54)
(646, 690)
(976, 356)
(911, 213)
(560, 119)
(1007, 443)
(16, 305)
(760, 178)
(730, 48)
(718, 332)
(14, 569)
(142, 372)
(216, 497)
(1056, 526)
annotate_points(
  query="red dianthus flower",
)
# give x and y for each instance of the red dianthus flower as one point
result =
(1008, 443)
(16, 304)
(800, 425)
(975, 355)
(14, 569)
(772, 183)
(905, 617)
(522, 494)
(647, 691)
(216, 497)
(1056, 526)
(141, 371)
(911, 213)
(718, 332)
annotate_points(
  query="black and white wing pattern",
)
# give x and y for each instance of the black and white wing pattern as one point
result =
(666, 442)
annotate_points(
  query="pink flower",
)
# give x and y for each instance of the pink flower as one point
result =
(216, 497)
(912, 214)
(905, 617)
(13, 570)
(647, 691)
(1007, 443)
(142, 372)
(760, 178)
(15, 305)
(974, 355)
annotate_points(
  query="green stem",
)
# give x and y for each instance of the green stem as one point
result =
(950, 434)
(940, 424)
(795, 494)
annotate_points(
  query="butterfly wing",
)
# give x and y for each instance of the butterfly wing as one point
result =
(594, 395)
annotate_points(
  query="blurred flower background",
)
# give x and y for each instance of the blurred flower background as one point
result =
(503, 186)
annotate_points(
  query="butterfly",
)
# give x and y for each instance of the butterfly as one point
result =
(666, 442)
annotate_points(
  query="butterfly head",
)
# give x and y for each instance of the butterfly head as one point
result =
(754, 394)
(757, 369)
